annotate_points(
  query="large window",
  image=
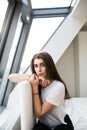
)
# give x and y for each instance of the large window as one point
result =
(41, 31)
(11, 58)
(51, 3)
(42, 26)
(3, 8)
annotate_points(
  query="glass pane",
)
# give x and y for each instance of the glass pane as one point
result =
(41, 31)
(50, 3)
(11, 57)
(3, 9)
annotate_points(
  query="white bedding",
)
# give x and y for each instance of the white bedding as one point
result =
(10, 117)
(77, 109)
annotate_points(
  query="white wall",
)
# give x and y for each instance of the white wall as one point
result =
(76, 66)
(68, 30)
(72, 66)
(65, 68)
(83, 63)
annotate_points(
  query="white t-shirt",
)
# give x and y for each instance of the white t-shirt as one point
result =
(54, 94)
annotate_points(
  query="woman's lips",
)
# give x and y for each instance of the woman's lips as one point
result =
(40, 74)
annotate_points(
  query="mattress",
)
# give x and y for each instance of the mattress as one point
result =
(77, 110)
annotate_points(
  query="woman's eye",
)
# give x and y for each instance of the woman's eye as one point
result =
(35, 66)
(43, 64)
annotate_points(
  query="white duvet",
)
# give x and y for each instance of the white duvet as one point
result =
(10, 117)
(77, 110)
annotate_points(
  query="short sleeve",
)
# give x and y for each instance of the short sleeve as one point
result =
(56, 94)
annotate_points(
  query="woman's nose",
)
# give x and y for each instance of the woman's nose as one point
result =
(39, 68)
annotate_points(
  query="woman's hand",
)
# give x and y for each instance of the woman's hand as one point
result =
(34, 81)
(43, 81)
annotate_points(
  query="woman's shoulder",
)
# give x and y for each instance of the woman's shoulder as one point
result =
(57, 85)
(57, 89)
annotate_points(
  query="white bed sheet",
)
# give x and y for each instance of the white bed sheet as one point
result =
(77, 110)
(75, 107)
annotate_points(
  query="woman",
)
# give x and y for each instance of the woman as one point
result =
(49, 92)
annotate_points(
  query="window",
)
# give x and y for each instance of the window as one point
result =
(42, 26)
(11, 57)
(3, 9)
(50, 3)
(41, 31)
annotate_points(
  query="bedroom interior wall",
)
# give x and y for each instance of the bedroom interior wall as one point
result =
(82, 38)
(65, 67)
(76, 65)
(72, 66)
(80, 54)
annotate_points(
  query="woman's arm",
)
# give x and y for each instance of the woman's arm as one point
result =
(40, 109)
(15, 77)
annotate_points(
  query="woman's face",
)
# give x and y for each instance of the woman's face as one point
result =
(40, 68)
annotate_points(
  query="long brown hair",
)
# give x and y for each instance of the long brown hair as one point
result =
(51, 70)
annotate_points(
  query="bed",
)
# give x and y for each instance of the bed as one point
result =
(18, 114)
(77, 109)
